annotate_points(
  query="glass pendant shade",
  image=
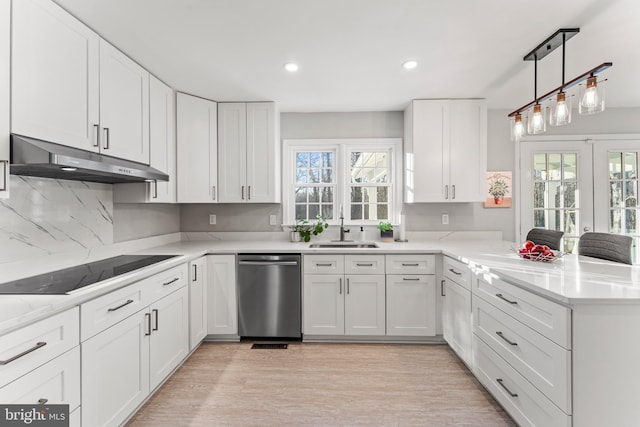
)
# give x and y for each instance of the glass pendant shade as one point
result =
(591, 97)
(517, 127)
(560, 110)
(536, 122)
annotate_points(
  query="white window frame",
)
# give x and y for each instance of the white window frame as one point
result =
(342, 147)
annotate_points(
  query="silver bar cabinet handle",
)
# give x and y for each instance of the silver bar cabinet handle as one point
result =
(446, 192)
(249, 193)
(453, 192)
(129, 301)
(504, 299)
(411, 278)
(148, 317)
(499, 380)
(340, 286)
(106, 139)
(364, 265)
(96, 143)
(195, 273)
(242, 192)
(410, 265)
(155, 311)
(498, 333)
(171, 281)
(24, 353)
(442, 288)
(154, 185)
(457, 273)
(213, 192)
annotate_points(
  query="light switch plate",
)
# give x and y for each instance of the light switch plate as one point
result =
(212, 219)
(272, 220)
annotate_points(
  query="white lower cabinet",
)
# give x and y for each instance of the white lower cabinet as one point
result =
(411, 305)
(364, 305)
(197, 301)
(456, 319)
(323, 307)
(222, 306)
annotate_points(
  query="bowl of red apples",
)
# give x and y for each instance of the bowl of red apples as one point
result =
(534, 252)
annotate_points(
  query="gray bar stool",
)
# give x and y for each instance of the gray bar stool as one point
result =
(612, 247)
(551, 238)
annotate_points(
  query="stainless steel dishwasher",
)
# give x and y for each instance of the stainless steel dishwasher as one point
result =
(269, 295)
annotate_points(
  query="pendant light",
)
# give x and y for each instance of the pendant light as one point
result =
(591, 91)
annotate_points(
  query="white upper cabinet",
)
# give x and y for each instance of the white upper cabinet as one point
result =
(73, 88)
(249, 151)
(5, 88)
(197, 157)
(162, 150)
(124, 106)
(445, 150)
(55, 76)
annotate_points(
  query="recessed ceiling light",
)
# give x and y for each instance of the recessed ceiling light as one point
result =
(291, 67)
(68, 169)
(409, 65)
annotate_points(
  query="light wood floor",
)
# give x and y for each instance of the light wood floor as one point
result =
(322, 384)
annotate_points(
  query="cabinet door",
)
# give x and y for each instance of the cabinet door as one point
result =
(124, 106)
(5, 88)
(457, 314)
(364, 305)
(323, 304)
(169, 343)
(162, 141)
(467, 150)
(197, 301)
(54, 81)
(232, 149)
(115, 371)
(222, 313)
(426, 151)
(197, 156)
(411, 305)
(263, 154)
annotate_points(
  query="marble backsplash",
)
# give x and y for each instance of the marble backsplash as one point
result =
(46, 216)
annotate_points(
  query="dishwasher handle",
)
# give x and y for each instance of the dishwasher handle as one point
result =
(267, 262)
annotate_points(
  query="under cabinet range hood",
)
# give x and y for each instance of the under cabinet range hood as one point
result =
(34, 157)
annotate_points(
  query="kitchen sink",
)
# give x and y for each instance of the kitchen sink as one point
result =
(343, 245)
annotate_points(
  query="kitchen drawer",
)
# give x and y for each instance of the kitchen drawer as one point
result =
(105, 311)
(526, 404)
(411, 264)
(323, 264)
(541, 361)
(547, 317)
(457, 271)
(364, 264)
(162, 284)
(25, 349)
(56, 382)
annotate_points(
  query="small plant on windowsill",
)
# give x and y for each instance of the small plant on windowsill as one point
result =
(304, 229)
(386, 231)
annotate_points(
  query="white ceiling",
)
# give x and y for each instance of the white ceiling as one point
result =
(350, 51)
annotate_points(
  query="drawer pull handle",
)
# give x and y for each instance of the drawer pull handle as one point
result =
(324, 265)
(504, 299)
(364, 265)
(411, 278)
(505, 338)
(341, 286)
(42, 401)
(155, 328)
(171, 281)
(195, 272)
(347, 286)
(499, 380)
(148, 316)
(410, 265)
(129, 301)
(457, 273)
(442, 288)
(24, 353)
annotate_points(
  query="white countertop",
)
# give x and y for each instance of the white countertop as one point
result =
(570, 280)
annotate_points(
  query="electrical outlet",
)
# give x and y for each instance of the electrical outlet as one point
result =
(445, 219)
(272, 220)
(212, 219)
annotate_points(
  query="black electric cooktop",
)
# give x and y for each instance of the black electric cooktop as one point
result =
(71, 279)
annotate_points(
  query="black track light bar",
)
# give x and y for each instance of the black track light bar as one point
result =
(550, 44)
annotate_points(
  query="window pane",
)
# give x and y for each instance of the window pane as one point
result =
(570, 245)
(356, 212)
(555, 194)
(327, 211)
(356, 194)
(302, 176)
(383, 211)
(301, 212)
(554, 166)
(615, 165)
(301, 195)
(383, 194)
(327, 194)
(630, 165)
(538, 218)
(570, 165)
(616, 221)
(314, 160)
(314, 194)
(356, 159)
(630, 221)
(327, 175)
(570, 192)
(327, 160)
(571, 223)
(538, 195)
(314, 210)
(630, 194)
(615, 194)
(302, 160)
(539, 166)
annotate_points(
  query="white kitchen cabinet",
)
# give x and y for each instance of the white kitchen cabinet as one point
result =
(55, 75)
(197, 150)
(445, 150)
(222, 306)
(249, 151)
(96, 99)
(323, 306)
(197, 301)
(455, 289)
(162, 150)
(169, 343)
(115, 371)
(364, 304)
(124, 106)
(5, 88)
(411, 305)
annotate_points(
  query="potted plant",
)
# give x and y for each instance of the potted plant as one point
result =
(303, 230)
(498, 189)
(386, 231)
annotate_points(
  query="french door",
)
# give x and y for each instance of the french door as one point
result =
(556, 188)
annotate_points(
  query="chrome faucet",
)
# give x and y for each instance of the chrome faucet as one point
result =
(342, 229)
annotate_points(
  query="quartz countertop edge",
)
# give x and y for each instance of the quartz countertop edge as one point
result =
(570, 281)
